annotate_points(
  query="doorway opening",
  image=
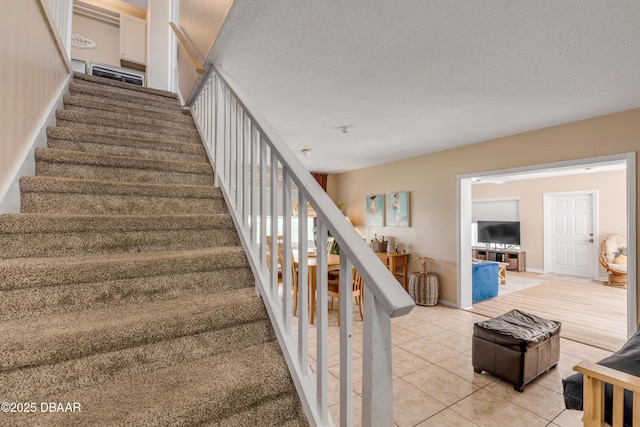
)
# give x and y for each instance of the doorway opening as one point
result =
(464, 230)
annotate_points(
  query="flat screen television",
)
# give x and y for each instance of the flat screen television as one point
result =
(504, 232)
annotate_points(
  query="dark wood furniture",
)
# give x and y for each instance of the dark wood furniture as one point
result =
(515, 260)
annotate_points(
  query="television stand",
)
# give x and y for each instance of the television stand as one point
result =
(515, 260)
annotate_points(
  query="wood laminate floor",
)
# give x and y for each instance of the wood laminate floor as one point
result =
(590, 312)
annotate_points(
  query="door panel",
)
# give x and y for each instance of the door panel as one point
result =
(561, 254)
(570, 235)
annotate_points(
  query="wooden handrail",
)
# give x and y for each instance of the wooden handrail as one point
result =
(184, 41)
(595, 376)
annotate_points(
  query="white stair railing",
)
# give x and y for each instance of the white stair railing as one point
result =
(260, 178)
(61, 14)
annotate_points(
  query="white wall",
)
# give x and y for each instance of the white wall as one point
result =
(34, 75)
(159, 45)
(106, 36)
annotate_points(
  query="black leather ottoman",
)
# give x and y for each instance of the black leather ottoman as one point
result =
(516, 346)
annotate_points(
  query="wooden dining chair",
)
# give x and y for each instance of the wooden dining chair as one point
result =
(357, 290)
(294, 270)
(279, 254)
(294, 284)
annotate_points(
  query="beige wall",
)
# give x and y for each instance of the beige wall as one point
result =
(34, 72)
(201, 21)
(106, 36)
(432, 181)
(612, 206)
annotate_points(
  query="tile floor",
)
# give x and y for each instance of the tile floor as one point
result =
(434, 382)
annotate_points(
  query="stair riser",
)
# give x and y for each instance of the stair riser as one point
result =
(82, 78)
(118, 132)
(91, 101)
(119, 150)
(40, 382)
(101, 173)
(24, 273)
(109, 92)
(77, 135)
(270, 413)
(17, 245)
(91, 204)
(124, 120)
(180, 320)
(186, 394)
(98, 95)
(124, 125)
(87, 106)
(36, 301)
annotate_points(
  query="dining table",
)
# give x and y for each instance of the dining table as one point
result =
(333, 263)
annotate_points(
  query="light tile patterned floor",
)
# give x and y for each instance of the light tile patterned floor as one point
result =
(434, 382)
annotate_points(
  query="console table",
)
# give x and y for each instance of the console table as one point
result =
(394, 261)
(515, 260)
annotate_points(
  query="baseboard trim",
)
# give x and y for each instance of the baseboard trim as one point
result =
(26, 166)
(447, 303)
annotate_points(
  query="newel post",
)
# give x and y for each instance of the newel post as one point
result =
(377, 386)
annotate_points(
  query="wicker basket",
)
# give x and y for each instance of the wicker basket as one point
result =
(379, 246)
(423, 288)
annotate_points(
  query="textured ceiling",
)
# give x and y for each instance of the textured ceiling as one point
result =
(415, 76)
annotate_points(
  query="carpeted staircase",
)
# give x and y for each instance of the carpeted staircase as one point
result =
(123, 284)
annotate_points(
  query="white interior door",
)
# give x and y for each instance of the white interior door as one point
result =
(570, 234)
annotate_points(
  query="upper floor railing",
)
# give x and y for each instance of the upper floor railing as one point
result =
(61, 14)
(262, 178)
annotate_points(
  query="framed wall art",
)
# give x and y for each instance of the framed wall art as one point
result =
(374, 208)
(398, 209)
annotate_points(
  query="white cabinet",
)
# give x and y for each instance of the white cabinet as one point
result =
(133, 33)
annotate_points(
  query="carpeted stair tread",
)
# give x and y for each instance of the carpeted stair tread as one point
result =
(75, 119)
(62, 337)
(118, 132)
(71, 139)
(125, 120)
(87, 78)
(84, 103)
(41, 184)
(53, 155)
(68, 297)
(59, 203)
(137, 150)
(188, 394)
(132, 132)
(43, 223)
(100, 91)
(46, 194)
(282, 411)
(98, 124)
(43, 235)
(192, 146)
(21, 273)
(40, 382)
(65, 156)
